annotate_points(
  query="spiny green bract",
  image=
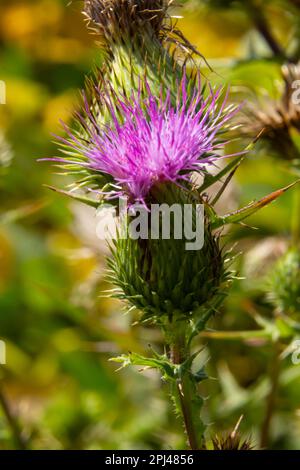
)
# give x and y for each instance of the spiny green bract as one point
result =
(162, 278)
(285, 283)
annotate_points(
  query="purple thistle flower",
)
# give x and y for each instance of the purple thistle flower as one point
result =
(154, 141)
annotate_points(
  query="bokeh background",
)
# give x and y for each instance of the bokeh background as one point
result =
(58, 388)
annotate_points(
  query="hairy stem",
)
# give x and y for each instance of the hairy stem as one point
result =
(184, 395)
(186, 390)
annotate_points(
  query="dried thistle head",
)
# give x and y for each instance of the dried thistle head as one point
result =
(229, 442)
(275, 121)
(232, 441)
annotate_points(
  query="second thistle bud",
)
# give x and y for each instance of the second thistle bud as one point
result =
(117, 19)
(285, 283)
(136, 36)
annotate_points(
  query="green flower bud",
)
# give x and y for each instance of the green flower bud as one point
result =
(285, 283)
(161, 276)
(140, 41)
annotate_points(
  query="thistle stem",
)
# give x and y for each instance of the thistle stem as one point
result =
(260, 23)
(184, 395)
(271, 398)
(185, 389)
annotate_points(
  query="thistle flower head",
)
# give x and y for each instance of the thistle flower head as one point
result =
(152, 139)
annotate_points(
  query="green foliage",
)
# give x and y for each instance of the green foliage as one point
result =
(242, 214)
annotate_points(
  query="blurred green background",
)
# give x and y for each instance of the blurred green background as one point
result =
(58, 331)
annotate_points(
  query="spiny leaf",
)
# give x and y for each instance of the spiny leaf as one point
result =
(158, 362)
(241, 214)
(85, 200)
(226, 182)
(209, 179)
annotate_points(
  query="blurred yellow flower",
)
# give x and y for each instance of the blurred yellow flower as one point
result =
(59, 108)
(23, 19)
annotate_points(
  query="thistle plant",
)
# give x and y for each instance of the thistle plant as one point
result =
(146, 127)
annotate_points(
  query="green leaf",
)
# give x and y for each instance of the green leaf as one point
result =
(85, 200)
(226, 182)
(241, 214)
(209, 179)
(160, 362)
(200, 375)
